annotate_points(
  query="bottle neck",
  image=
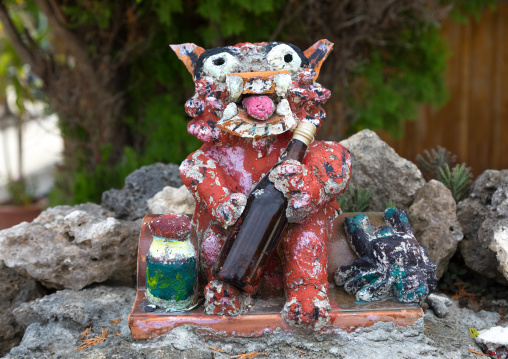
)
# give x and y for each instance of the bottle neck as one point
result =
(294, 151)
(303, 135)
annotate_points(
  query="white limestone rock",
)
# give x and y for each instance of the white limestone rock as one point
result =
(172, 200)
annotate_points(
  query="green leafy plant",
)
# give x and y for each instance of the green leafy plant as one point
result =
(355, 199)
(458, 180)
(473, 333)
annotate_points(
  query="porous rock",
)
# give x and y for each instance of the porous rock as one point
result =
(451, 333)
(439, 304)
(56, 321)
(473, 210)
(172, 200)
(130, 202)
(435, 225)
(484, 219)
(494, 342)
(495, 231)
(72, 247)
(14, 290)
(378, 167)
(91, 306)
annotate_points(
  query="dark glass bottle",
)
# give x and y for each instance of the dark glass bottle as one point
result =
(255, 236)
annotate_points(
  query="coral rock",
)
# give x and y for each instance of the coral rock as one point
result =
(14, 290)
(484, 219)
(378, 167)
(72, 247)
(435, 225)
(130, 202)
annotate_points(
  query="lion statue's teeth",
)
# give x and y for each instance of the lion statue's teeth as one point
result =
(282, 84)
(235, 86)
(230, 111)
(283, 108)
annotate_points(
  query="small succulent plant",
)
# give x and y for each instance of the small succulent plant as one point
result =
(441, 165)
(355, 199)
(458, 179)
(390, 204)
(432, 161)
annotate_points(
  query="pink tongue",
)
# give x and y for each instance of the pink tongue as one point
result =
(260, 107)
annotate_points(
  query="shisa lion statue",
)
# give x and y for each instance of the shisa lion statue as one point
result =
(249, 99)
(245, 122)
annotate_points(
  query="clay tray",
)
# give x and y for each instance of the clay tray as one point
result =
(265, 315)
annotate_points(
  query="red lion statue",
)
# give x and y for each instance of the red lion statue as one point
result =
(249, 98)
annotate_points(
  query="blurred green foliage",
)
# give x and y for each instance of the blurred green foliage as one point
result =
(159, 84)
(399, 78)
(393, 80)
(464, 9)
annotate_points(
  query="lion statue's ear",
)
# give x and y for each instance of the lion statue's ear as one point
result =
(317, 54)
(189, 54)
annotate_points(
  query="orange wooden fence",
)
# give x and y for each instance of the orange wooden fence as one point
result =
(474, 123)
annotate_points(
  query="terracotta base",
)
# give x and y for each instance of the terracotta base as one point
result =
(265, 315)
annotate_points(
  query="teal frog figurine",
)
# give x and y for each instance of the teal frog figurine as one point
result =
(171, 264)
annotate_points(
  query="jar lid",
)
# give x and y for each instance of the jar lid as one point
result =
(171, 226)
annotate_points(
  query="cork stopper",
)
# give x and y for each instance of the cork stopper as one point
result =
(171, 226)
(304, 132)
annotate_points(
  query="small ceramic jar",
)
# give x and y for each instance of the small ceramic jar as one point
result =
(171, 266)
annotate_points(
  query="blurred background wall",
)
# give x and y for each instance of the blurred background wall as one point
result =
(473, 124)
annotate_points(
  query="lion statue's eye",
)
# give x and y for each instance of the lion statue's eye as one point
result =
(218, 62)
(219, 65)
(283, 57)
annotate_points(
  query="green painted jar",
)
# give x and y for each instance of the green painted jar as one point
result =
(171, 264)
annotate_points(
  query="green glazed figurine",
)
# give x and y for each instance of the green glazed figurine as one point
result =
(171, 266)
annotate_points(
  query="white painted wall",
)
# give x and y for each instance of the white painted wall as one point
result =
(42, 149)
